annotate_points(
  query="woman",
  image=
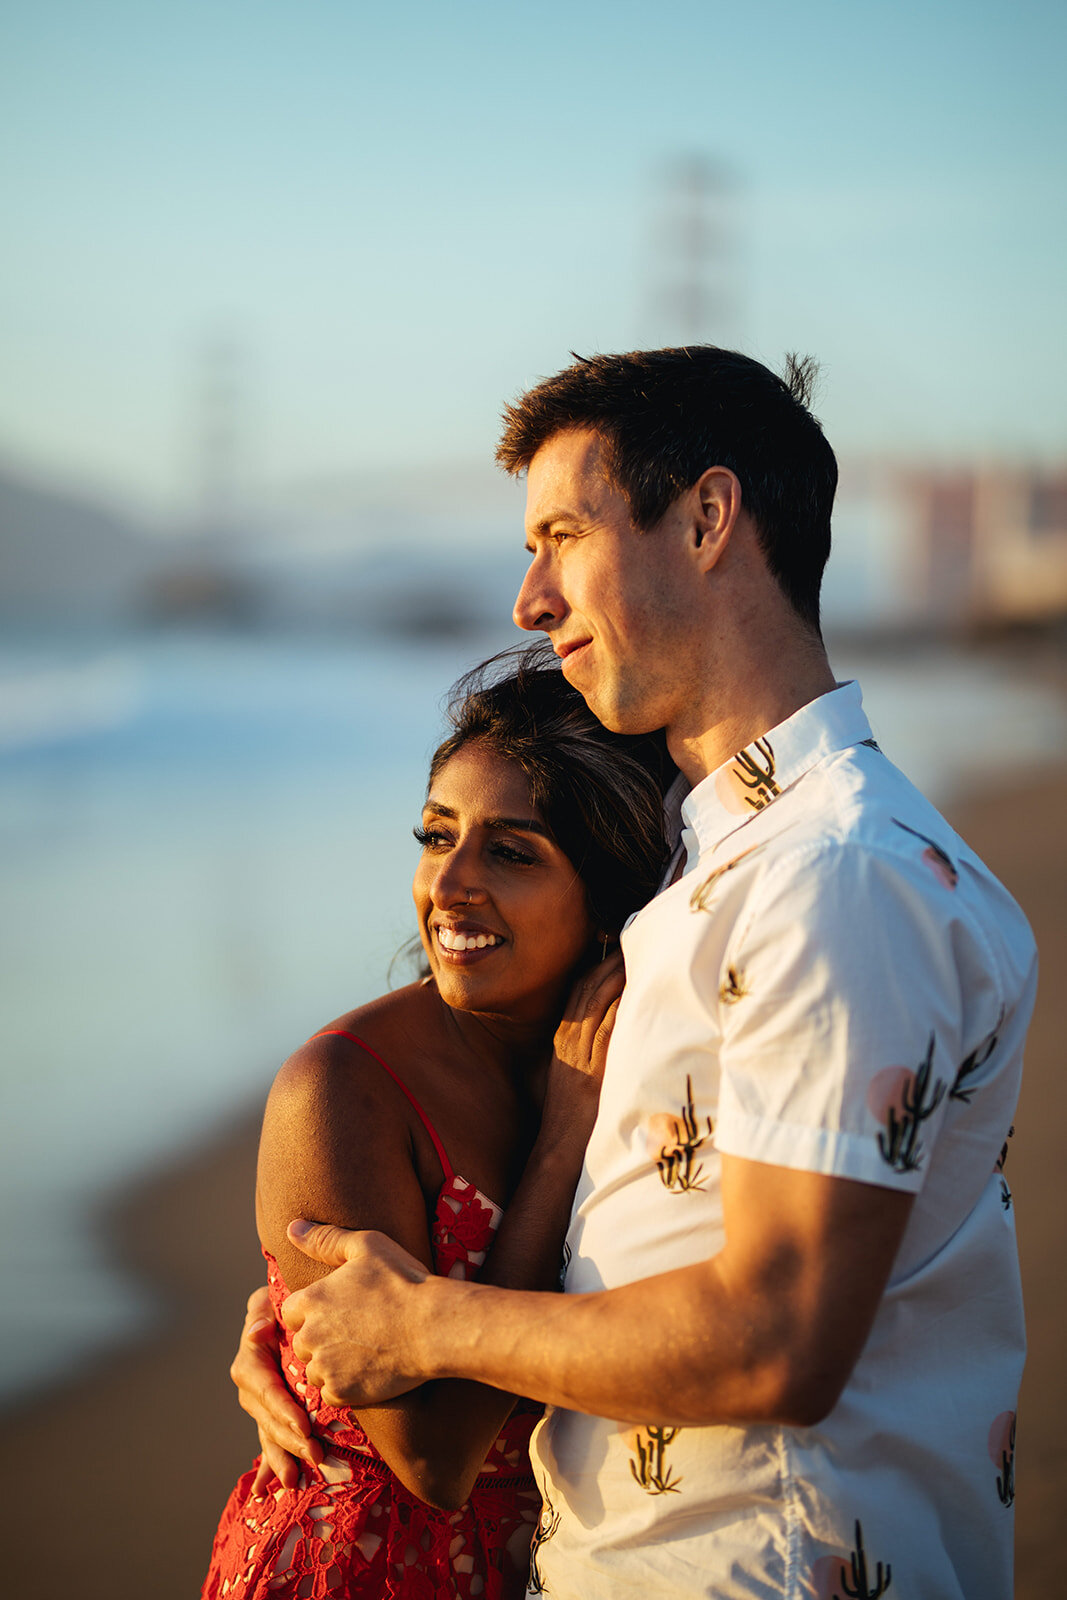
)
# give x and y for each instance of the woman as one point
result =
(427, 1111)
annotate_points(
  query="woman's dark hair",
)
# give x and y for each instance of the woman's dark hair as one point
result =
(600, 793)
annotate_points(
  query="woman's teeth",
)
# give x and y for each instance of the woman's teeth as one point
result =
(451, 940)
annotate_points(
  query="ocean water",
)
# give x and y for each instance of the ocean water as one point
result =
(205, 852)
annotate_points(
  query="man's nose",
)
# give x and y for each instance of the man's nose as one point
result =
(537, 605)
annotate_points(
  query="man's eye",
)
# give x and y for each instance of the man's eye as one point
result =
(431, 838)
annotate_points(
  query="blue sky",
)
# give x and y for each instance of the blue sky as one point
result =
(404, 215)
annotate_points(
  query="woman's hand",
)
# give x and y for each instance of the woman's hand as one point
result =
(581, 1048)
(284, 1427)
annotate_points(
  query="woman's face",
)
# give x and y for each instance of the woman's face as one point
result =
(502, 912)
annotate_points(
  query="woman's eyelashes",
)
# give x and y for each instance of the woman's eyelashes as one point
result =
(509, 852)
(431, 838)
(437, 838)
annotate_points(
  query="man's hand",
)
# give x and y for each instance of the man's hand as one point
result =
(284, 1428)
(351, 1328)
(759, 1333)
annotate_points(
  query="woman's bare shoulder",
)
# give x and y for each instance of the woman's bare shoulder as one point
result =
(341, 1142)
(391, 1016)
(344, 1057)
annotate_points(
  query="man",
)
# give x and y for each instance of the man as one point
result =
(788, 1356)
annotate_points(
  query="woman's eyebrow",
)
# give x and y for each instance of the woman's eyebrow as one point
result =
(512, 824)
(517, 825)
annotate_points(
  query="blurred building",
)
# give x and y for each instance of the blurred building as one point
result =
(987, 545)
(944, 548)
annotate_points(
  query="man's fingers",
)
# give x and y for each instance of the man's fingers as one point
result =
(264, 1395)
(276, 1466)
(279, 1464)
(321, 1240)
(288, 1422)
(258, 1304)
(329, 1318)
(260, 1337)
(260, 1327)
(285, 1435)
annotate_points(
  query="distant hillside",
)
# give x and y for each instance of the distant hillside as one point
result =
(61, 556)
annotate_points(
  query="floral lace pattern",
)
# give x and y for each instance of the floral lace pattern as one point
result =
(352, 1529)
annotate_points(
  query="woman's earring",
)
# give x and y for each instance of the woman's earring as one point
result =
(604, 947)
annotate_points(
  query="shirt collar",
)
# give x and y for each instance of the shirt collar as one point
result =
(754, 778)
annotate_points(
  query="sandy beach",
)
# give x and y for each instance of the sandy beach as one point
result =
(112, 1483)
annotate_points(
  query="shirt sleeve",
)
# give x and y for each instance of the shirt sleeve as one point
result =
(840, 1011)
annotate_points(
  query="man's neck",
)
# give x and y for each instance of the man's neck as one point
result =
(745, 703)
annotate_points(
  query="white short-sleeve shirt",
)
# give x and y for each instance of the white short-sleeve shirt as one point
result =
(836, 984)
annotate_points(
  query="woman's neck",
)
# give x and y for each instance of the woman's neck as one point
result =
(498, 1043)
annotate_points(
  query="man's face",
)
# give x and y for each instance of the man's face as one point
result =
(611, 599)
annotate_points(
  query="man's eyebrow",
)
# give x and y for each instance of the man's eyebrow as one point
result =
(503, 824)
(544, 526)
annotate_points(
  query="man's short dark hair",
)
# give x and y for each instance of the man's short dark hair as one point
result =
(667, 415)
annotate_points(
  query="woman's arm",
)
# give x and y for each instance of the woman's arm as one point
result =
(337, 1147)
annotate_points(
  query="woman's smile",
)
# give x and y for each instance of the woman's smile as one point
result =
(502, 912)
(465, 940)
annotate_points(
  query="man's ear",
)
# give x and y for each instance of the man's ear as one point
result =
(717, 496)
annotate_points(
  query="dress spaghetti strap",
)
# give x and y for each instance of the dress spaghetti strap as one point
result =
(343, 1033)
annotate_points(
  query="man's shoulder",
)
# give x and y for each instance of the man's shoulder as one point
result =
(853, 804)
(857, 840)
(855, 819)
(857, 804)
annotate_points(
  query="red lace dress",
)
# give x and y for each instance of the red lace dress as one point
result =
(352, 1529)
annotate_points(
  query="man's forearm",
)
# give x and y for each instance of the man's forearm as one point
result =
(759, 1333)
(669, 1350)
(756, 1334)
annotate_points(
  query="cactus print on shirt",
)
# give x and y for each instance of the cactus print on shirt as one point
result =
(835, 985)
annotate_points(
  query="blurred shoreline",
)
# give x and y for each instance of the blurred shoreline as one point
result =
(156, 1440)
